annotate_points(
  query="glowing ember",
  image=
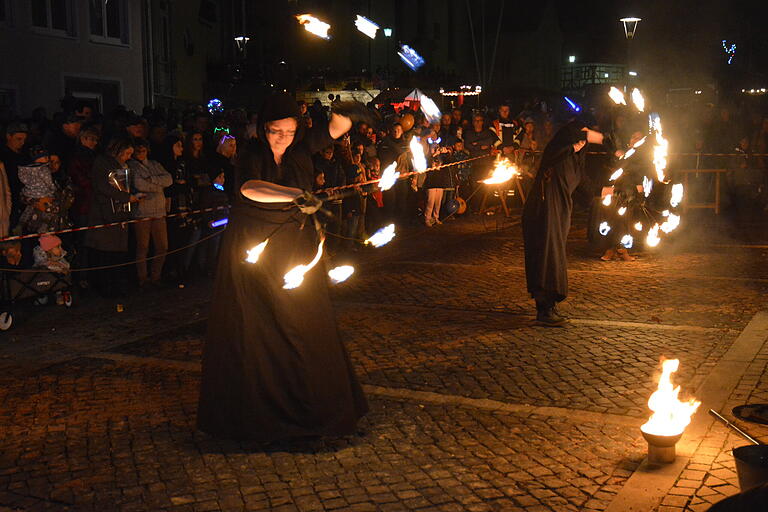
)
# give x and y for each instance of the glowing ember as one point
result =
(314, 25)
(617, 96)
(670, 415)
(252, 255)
(341, 273)
(653, 236)
(671, 223)
(604, 228)
(616, 174)
(503, 171)
(622, 210)
(382, 236)
(295, 276)
(638, 100)
(647, 186)
(627, 241)
(417, 150)
(638, 226)
(607, 200)
(389, 177)
(677, 194)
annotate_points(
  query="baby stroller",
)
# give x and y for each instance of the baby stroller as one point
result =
(35, 284)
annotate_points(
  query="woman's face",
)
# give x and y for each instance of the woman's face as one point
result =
(140, 153)
(229, 148)
(280, 134)
(197, 142)
(89, 141)
(125, 155)
(178, 148)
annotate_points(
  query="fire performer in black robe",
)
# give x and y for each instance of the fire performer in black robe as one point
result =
(547, 218)
(274, 366)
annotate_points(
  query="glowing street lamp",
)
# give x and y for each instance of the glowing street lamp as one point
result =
(571, 59)
(387, 32)
(241, 41)
(630, 26)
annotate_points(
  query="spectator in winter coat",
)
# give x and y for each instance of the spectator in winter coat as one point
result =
(79, 172)
(150, 178)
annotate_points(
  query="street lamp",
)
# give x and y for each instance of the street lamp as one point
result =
(571, 59)
(387, 32)
(630, 27)
(387, 35)
(241, 41)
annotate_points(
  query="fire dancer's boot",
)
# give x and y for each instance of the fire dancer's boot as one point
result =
(547, 315)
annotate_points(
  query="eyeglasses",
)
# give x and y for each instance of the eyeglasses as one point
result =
(281, 133)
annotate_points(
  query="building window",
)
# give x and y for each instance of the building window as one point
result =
(53, 15)
(109, 21)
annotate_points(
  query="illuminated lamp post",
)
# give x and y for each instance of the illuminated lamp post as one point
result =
(630, 27)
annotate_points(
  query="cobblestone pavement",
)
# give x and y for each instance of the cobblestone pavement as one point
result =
(473, 407)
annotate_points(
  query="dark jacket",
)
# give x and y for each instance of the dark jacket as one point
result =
(113, 239)
(79, 172)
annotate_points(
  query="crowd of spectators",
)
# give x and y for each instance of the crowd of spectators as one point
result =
(81, 168)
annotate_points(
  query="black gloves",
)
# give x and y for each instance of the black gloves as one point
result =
(308, 203)
(356, 112)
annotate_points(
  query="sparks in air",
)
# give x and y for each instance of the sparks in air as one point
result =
(417, 150)
(638, 100)
(653, 236)
(604, 228)
(341, 273)
(382, 237)
(617, 96)
(294, 277)
(389, 177)
(627, 241)
(503, 171)
(314, 25)
(677, 194)
(616, 174)
(253, 254)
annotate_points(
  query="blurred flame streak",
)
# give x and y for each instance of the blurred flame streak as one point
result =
(253, 254)
(622, 210)
(389, 177)
(670, 415)
(294, 277)
(629, 153)
(417, 150)
(382, 236)
(604, 228)
(671, 223)
(627, 241)
(677, 194)
(314, 25)
(617, 96)
(638, 226)
(653, 236)
(341, 273)
(616, 174)
(638, 100)
(607, 200)
(647, 186)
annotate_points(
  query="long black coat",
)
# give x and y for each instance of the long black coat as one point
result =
(274, 366)
(547, 213)
(113, 239)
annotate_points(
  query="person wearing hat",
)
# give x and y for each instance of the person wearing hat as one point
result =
(547, 218)
(63, 142)
(13, 155)
(274, 366)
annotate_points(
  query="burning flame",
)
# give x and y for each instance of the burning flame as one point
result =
(653, 236)
(671, 223)
(341, 273)
(607, 200)
(627, 241)
(503, 171)
(638, 226)
(660, 150)
(647, 186)
(677, 194)
(314, 25)
(430, 109)
(295, 276)
(252, 255)
(639, 143)
(389, 177)
(366, 26)
(604, 228)
(616, 174)
(417, 150)
(622, 210)
(670, 415)
(629, 153)
(638, 100)
(617, 96)
(382, 236)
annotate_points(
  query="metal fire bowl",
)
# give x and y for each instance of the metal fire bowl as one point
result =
(661, 441)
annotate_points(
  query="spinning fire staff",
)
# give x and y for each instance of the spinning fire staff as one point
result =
(273, 364)
(547, 217)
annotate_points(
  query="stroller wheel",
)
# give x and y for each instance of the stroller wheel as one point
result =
(6, 320)
(68, 301)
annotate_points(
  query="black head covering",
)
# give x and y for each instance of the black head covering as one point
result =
(280, 106)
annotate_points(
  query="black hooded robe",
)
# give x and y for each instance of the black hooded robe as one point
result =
(274, 366)
(547, 214)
